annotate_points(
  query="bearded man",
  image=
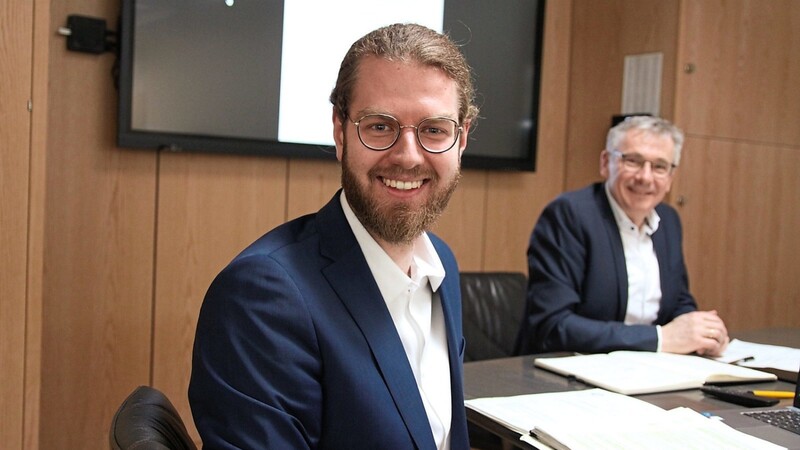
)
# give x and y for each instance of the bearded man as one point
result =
(342, 329)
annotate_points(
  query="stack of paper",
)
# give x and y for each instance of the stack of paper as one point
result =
(597, 419)
(750, 354)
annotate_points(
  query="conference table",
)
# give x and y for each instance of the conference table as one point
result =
(518, 375)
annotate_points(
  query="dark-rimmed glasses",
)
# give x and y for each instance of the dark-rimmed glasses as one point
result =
(635, 162)
(380, 131)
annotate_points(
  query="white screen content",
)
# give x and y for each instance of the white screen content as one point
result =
(313, 48)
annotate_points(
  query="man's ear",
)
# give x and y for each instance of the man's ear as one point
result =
(670, 179)
(462, 139)
(604, 161)
(338, 133)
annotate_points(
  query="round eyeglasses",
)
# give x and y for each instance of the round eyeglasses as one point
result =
(380, 131)
(635, 162)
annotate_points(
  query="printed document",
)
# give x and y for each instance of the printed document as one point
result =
(597, 419)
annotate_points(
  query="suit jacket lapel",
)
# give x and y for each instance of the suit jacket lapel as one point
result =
(617, 251)
(661, 248)
(350, 277)
(451, 306)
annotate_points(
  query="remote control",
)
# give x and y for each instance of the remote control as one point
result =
(738, 396)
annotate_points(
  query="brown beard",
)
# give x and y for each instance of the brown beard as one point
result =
(398, 223)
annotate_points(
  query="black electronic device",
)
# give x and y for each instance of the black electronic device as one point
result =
(88, 35)
(212, 75)
(738, 396)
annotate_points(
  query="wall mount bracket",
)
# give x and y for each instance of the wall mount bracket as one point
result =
(88, 35)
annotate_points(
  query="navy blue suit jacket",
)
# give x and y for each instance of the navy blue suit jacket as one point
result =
(295, 348)
(578, 282)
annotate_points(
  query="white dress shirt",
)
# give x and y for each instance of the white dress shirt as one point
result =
(644, 277)
(416, 311)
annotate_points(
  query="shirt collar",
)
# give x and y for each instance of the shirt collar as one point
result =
(625, 223)
(425, 261)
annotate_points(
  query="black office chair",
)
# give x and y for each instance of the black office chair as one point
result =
(492, 305)
(147, 420)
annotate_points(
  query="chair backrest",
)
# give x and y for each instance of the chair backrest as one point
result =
(493, 304)
(147, 420)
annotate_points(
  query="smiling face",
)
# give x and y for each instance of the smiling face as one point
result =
(398, 193)
(637, 191)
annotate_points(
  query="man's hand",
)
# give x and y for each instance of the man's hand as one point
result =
(701, 332)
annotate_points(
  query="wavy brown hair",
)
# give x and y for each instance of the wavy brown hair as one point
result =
(407, 42)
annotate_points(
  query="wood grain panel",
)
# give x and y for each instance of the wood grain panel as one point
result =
(16, 40)
(311, 184)
(210, 207)
(98, 250)
(36, 225)
(463, 223)
(595, 83)
(740, 214)
(514, 200)
(603, 34)
(648, 27)
(746, 79)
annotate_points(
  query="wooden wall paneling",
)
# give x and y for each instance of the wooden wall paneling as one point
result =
(746, 78)
(782, 240)
(740, 211)
(603, 34)
(98, 249)
(515, 200)
(513, 204)
(595, 83)
(16, 41)
(210, 207)
(311, 184)
(463, 224)
(42, 36)
(652, 26)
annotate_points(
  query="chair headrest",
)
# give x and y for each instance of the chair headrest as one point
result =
(147, 420)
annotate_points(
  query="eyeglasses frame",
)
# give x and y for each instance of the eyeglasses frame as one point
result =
(459, 130)
(621, 155)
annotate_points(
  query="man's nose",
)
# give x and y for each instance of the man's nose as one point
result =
(407, 148)
(646, 171)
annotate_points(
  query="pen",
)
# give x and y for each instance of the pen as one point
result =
(741, 360)
(774, 394)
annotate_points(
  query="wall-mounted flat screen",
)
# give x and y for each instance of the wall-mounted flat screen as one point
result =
(254, 77)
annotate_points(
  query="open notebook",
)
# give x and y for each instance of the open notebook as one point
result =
(631, 372)
(761, 422)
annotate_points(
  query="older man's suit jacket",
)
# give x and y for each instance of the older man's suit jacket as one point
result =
(578, 281)
(295, 348)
